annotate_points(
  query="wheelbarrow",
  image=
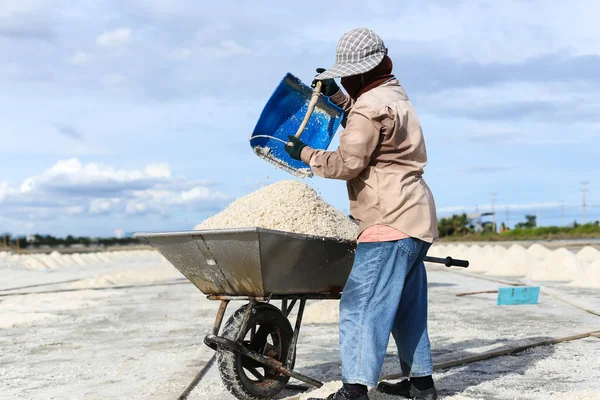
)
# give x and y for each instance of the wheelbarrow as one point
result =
(256, 349)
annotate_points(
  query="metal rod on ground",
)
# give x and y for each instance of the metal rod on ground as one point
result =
(472, 293)
(40, 284)
(94, 288)
(197, 379)
(501, 352)
(559, 298)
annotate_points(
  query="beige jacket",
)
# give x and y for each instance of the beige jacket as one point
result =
(381, 156)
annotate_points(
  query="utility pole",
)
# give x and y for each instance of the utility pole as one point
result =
(492, 200)
(584, 189)
(507, 216)
(562, 213)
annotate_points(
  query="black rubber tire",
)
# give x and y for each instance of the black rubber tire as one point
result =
(230, 364)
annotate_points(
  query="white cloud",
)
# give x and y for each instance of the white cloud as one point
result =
(181, 54)
(483, 31)
(567, 95)
(118, 37)
(74, 210)
(80, 58)
(158, 171)
(14, 8)
(26, 18)
(70, 187)
(103, 206)
(5, 190)
(227, 48)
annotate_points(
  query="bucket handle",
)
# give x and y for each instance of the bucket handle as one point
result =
(311, 106)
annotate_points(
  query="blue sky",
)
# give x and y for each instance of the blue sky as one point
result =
(135, 115)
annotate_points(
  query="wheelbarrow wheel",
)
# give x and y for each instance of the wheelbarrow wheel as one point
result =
(269, 333)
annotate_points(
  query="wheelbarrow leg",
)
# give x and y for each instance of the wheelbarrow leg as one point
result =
(220, 314)
(292, 349)
(247, 313)
(218, 322)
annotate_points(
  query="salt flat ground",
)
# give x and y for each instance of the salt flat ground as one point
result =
(146, 342)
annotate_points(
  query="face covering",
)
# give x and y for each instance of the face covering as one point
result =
(357, 85)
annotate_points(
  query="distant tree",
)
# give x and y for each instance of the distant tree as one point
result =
(531, 222)
(454, 225)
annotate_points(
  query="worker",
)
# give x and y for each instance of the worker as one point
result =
(381, 157)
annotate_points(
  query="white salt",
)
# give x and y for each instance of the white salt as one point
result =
(588, 253)
(515, 262)
(560, 265)
(588, 275)
(322, 312)
(289, 206)
(539, 251)
(31, 263)
(478, 259)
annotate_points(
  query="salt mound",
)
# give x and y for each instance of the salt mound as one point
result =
(478, 259)
(289, 206)
(539, 251)
(588, 275)
(78, 259)
(437, 250)
(104, 257)
(47, 260)
(560, 265)
(66, 260)
(32, 263)
(588, 253)
(515, 262)
(322, 312)
(459, 251)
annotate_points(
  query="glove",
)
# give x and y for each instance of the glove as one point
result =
(294, 148)
(329, 87)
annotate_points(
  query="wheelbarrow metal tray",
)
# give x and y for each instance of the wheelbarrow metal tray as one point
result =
(255, 261)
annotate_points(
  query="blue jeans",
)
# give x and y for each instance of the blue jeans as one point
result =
(386, 292)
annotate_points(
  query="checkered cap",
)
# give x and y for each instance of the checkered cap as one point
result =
(358, 51)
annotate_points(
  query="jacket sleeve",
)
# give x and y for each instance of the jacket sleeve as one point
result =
(357, 143)
(345, 102)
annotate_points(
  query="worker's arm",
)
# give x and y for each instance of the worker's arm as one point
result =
(345, 102)
(357, 143)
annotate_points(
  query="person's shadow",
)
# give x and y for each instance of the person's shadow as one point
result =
(465, 376)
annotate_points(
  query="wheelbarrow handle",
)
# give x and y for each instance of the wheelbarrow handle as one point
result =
(448, 261)
(311, 106)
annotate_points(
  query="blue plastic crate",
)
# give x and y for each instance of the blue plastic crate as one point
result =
(518, 295)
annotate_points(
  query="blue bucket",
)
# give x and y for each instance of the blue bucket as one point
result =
(282, 116)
